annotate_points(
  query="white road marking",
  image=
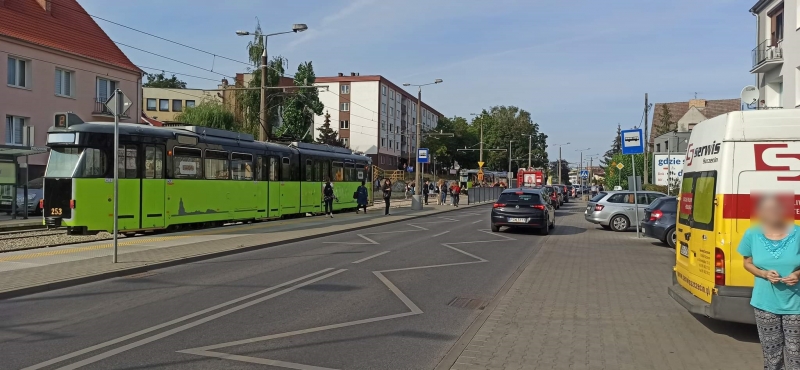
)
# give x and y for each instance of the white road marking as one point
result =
(440, 234)
(190, 325)
(169, 323)
(371, 257)
(475, 222)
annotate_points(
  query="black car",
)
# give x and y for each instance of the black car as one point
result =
(659, 220)
(526, 207)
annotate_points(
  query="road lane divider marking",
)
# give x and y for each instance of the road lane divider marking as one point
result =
(371, 257)
(440, 234)
(171, 322)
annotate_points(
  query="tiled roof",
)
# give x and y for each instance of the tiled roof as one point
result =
(712, 109)
(67, 27)
(145, 120)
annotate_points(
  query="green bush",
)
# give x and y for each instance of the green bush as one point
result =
(658, 188)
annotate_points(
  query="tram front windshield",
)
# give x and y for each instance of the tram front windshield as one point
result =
(76, 162)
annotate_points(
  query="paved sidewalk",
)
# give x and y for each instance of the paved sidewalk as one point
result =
(31, 271)
(595, 299)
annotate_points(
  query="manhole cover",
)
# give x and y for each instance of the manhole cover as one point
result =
(469, 303)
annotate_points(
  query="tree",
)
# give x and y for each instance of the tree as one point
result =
(299, 109)
(327, 135)
(616, 148)
(209, 114)
(159, 80)
(502, 124)
(564, 172)
(616, 177)
(665, 122)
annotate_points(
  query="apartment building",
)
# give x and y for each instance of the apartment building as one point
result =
(375, 116)
(165, 104)
(55, 58)
(776, 57)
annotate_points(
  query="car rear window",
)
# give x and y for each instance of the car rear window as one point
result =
(514, 198)
(599, 196)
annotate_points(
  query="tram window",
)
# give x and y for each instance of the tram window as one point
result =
(186, 163)
(338, 171)
(350, 172)
(216, 165)
(309, 170)
(261, 169)
(326, 170)
(286, 169)
(93, 164)
(318, 171)
(149, 162)
(159, 163)
(273, 169)
(241, 166)
(127, 162)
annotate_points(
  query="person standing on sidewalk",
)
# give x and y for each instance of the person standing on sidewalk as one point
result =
(425, 192)
(442, 192)
(328, 196)
(771, 252)
(408, 190)
(362, 197)
(387, 195)
(456, 194)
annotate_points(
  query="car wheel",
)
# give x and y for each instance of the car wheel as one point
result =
(672, 238)
(544, 230)
(620, 223)
(495, 228)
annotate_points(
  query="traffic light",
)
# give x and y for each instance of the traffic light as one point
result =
(66, 120)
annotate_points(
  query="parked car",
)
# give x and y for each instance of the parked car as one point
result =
(35, 193)
(554, 197)
(524, 207)
(660, 218)
(564, 190)
(616, 210)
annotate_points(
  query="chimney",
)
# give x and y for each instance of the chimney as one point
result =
(224, 83)
(45, 4)
(353, 74)
(699, 103)
(341, 74)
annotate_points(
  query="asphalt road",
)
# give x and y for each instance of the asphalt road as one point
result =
(396, 296)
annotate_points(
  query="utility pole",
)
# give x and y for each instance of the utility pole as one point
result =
(509, 162)
(418, 137)
(530, 139)
(559, 164)
(647, 143)
(264, 128)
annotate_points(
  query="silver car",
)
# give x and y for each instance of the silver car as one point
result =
(616, 210)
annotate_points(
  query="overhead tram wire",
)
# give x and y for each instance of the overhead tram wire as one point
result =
(178, 73)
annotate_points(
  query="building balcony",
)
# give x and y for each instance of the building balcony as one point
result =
(100, 109)
(767, 55)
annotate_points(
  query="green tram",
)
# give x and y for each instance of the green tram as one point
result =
(190, 176)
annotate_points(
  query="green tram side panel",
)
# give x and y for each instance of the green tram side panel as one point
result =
(274, 199)
(190, 201)
(153, 195)
(344, 192)
(311, 197)
(290, 197)
(94, 206)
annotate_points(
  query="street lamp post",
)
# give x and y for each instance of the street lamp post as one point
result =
(416, 202)
(265, 130)
(509, 162)
(580, 166)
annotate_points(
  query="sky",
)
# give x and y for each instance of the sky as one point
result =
(579, 67)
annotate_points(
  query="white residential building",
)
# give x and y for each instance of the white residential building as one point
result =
(375, 117)
(776, 58)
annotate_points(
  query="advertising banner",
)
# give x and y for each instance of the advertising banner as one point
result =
(666, 168)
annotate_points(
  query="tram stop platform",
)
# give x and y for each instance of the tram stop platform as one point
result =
(9, 224)
(37, 270)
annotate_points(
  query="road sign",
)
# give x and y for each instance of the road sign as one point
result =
(584, 174)
(124, 104)
(480, 164)
(632, 142)
(422, 155)
(620, 166)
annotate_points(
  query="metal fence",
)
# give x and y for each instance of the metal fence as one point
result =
(483, 195)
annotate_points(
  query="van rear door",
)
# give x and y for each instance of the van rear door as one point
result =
(696, 238)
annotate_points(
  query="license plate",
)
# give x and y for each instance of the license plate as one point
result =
(685, 250)
(513, 219)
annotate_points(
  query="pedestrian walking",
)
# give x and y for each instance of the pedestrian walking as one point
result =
(408, 190)
(425, 191)
(456, 194)
(362, 197)
(328, 196)
(387, 195)
(771, 251)
(442, 192)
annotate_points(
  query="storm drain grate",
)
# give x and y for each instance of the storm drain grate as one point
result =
(469, 303)
(142, 274)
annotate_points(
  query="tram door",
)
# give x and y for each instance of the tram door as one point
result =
(274, 199)
(153, 183)
(129, 188)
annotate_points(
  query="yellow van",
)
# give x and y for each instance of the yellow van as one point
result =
(728, 158)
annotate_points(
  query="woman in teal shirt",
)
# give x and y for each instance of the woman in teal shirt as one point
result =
(771, 252)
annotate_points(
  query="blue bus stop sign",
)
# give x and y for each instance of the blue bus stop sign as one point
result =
(422, 155)
(632, 141)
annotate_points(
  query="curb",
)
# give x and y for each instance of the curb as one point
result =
(80, 280)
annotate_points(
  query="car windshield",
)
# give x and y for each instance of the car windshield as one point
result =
(599, 196)
(524, 199)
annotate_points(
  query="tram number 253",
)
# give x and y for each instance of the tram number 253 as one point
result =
(56, 211)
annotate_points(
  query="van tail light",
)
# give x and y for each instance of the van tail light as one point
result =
(538, 206)
(656, 215)
(41, 203)
(719, 267)
(599, 207)
(498, 205)
(72, 203)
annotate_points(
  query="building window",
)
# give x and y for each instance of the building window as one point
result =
(105, 88)
(383, 142)
(383, 125)
(344, 124)
(151, 104)
(391, 144)
(346, 142)
(14, 128)
(396, 145)
(383, 107)
(190, 104)
(177, 105)
(345, 89)
(64, 81)
(776, 20)
(163, 105)
(391, 112)
(344, 107)
(18, 72)
(383, 160)
(383, 89)
(391, 127)
(658, 149)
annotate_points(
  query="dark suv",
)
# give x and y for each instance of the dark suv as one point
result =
(525, 207)
(659, 220)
